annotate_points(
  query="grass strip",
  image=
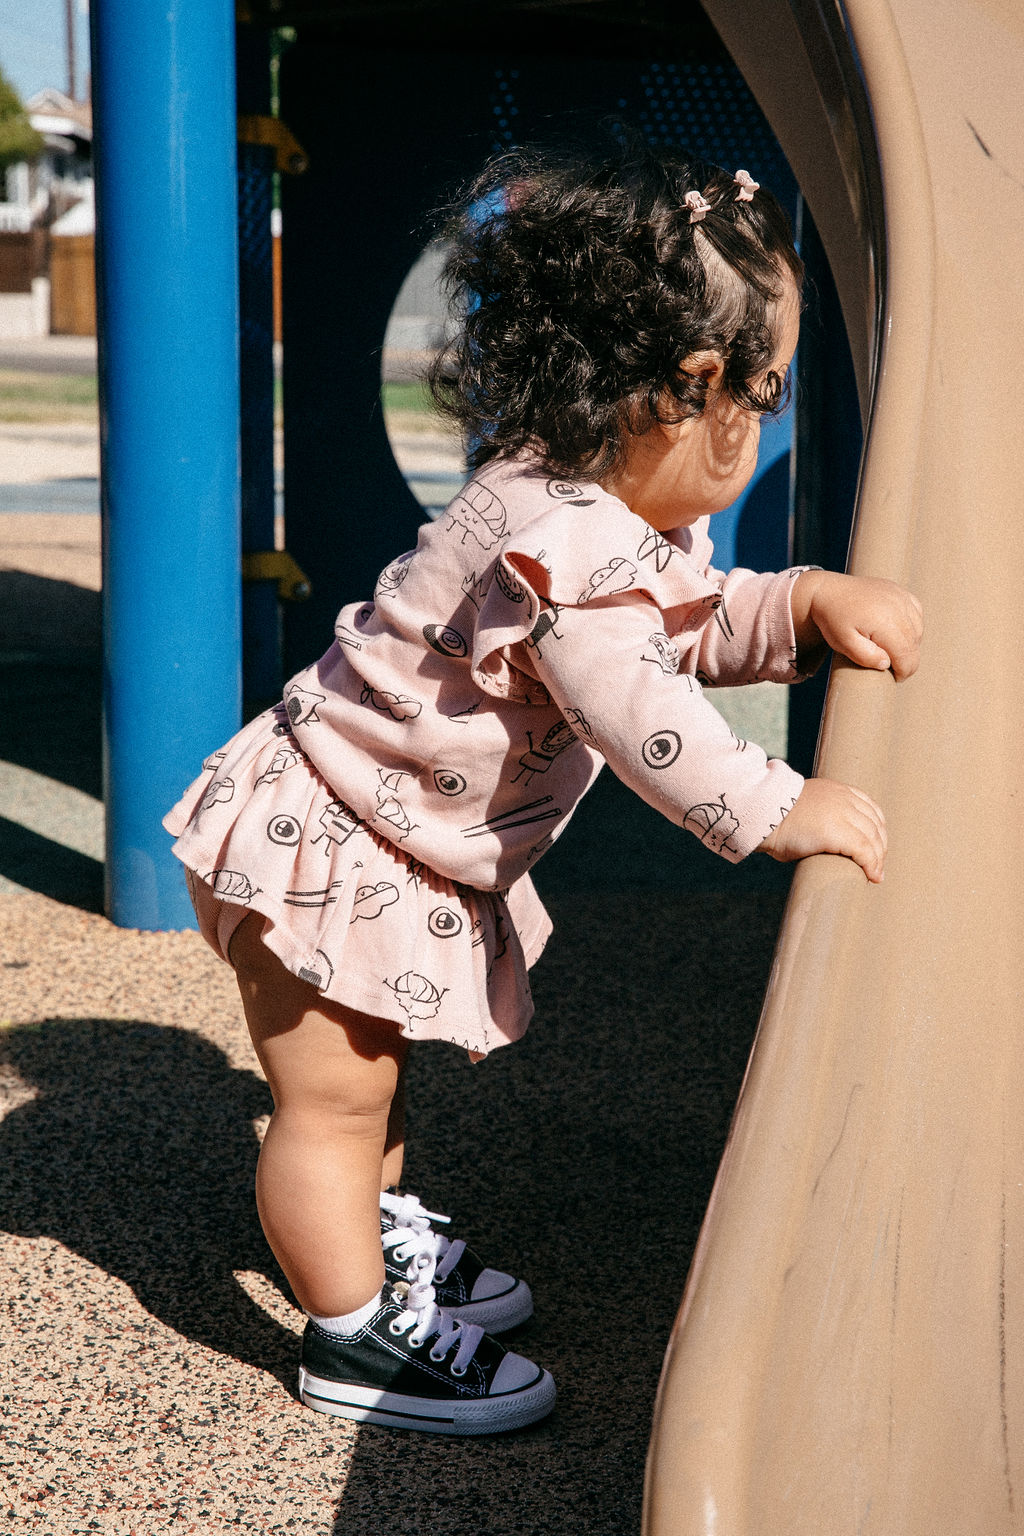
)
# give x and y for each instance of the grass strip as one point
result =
(32, 397)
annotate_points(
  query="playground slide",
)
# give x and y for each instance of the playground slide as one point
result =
(849, 1355)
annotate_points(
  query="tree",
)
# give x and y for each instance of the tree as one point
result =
(18, 139)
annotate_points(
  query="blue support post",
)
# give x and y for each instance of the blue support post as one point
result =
(167, 289)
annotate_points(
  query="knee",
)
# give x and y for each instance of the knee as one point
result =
(358, 1102)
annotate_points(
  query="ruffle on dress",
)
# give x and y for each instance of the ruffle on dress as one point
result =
(555, 561)
(368, 926)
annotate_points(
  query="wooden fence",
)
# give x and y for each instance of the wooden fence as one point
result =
(72, 285)
(22, 259)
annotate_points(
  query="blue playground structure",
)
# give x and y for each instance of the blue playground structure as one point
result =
(167, 298)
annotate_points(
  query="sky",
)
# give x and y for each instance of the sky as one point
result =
(33, 50)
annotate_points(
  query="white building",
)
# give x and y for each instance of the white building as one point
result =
(37, 192)
(34, 195)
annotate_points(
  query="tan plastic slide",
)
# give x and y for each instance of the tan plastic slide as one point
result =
(849, 1355)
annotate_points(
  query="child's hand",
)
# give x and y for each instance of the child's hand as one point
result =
(874, 622)
(829, 817)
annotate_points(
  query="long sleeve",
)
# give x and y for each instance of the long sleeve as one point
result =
(750, 638)
(612, 670)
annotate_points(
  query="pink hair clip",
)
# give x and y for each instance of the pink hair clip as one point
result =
(698, 206)
(747, 186)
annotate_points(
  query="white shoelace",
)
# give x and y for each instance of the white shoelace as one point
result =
(412, 1238)
(423, 1319)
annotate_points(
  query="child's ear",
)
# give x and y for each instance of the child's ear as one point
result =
(708, 366)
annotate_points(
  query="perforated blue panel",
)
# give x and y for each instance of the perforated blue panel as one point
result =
(503, 107)
(261, 642)
(701, 106)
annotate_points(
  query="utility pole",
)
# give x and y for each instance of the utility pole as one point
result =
(69, 27)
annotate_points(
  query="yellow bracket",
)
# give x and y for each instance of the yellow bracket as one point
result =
(293, 585)
(270, 131)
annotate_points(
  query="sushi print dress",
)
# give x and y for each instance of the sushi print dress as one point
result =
(384, 817)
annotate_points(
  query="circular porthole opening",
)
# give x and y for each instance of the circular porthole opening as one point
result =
(427, 449)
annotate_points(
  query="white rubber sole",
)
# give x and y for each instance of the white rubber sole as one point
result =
(465, 1416)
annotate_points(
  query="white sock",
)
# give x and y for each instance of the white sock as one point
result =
(349, 1322)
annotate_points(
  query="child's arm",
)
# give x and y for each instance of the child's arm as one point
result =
(608, 669)
(875, 623)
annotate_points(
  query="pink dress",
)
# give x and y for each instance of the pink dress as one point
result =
(384, 818)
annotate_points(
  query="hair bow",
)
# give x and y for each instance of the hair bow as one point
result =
(698, 206)
(747, 186)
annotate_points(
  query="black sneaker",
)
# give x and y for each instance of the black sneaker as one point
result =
(464, 1287)
(413, 1366)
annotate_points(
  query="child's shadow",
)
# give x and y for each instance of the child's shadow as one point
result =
(138, 1152)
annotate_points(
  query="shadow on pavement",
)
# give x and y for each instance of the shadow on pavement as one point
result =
(138, 1153)
(40, 864)
(51, 678)
(43, 613)
(52, 722)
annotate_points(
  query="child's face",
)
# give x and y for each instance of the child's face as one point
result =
(675, 475)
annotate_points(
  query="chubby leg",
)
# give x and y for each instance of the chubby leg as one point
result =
(394, 1148)
(334, 1075)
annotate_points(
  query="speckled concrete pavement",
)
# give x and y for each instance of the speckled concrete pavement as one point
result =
(149, 1345)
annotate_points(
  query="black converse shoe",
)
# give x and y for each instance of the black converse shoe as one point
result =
(464, 1287)
(413, 1366)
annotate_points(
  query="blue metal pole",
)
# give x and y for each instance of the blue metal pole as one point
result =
(167, 289)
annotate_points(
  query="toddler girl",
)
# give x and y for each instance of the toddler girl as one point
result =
(361, 853)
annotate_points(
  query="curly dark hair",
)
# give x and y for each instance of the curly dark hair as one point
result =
(581, 286)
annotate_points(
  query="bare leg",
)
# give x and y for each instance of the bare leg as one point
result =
(333, 1074)
(394, 1148)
